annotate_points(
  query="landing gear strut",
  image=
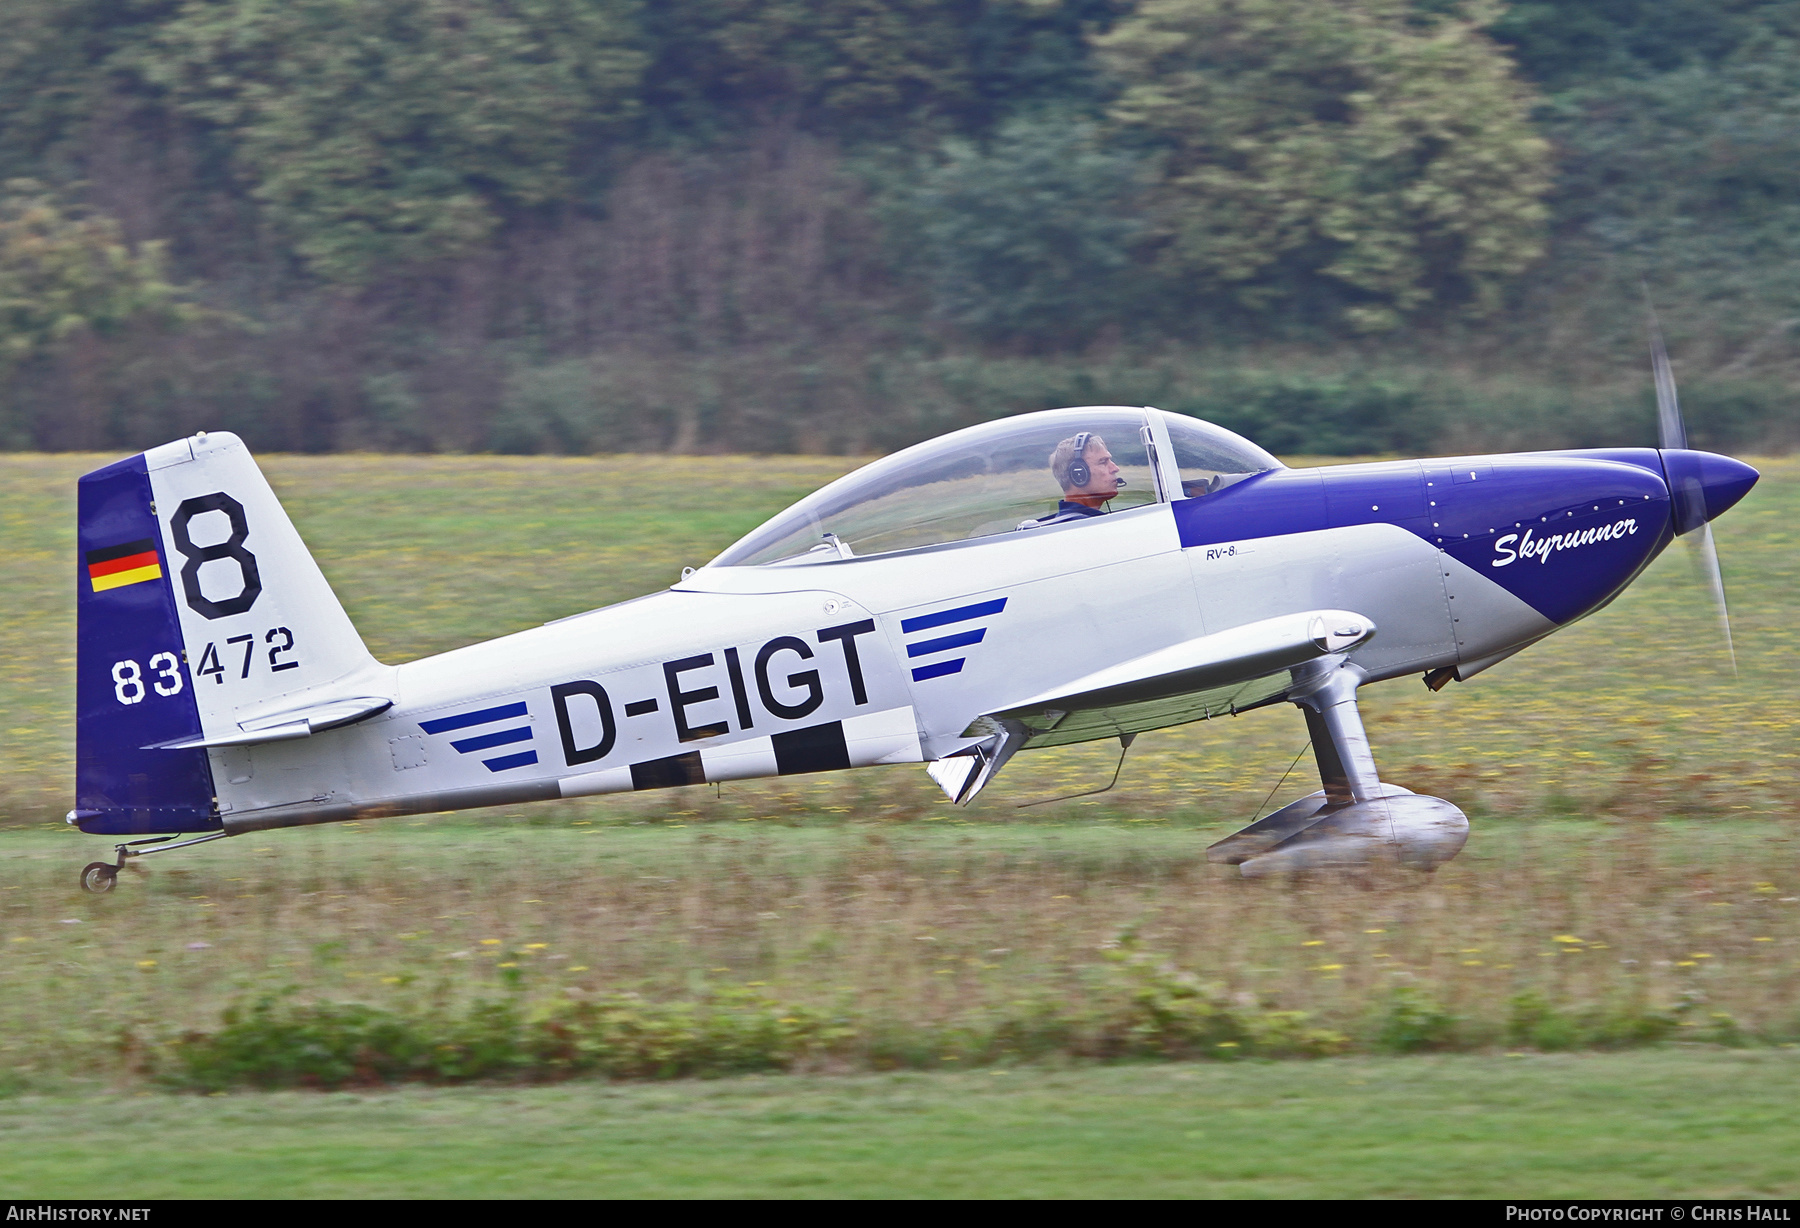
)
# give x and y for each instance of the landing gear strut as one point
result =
(98, 878)
(1356, 819)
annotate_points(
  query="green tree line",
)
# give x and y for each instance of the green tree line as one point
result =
(602, 225)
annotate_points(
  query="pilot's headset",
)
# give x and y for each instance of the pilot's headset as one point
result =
(1079, 473)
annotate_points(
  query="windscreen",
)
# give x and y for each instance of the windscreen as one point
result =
(1211, 457)
(1001, 477)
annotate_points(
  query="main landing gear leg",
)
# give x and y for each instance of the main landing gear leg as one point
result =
(1356, 819)
(98, 878)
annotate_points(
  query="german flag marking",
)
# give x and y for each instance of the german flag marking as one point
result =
(117, 566)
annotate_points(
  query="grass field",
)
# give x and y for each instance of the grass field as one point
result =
(1641, 1125)
(922, 945)
(1632, 865)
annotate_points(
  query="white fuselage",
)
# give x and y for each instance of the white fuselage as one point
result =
(751, 671)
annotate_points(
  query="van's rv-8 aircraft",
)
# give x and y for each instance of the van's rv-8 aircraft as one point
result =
(1051, 578)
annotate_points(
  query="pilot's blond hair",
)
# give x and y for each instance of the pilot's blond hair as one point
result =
(1065, 453)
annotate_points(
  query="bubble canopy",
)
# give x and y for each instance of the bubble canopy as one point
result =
(996, 478)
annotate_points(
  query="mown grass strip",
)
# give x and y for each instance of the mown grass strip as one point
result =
(1687, 1124)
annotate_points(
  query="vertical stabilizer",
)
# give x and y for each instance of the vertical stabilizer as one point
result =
(203, 623)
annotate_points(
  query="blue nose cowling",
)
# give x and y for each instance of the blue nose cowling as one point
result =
(1704, 485)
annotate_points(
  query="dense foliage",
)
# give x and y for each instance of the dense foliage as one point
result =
(375, 135)
(63, 274)
(1362, 145)
(578, 225)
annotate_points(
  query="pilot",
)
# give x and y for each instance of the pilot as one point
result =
(1084, 467)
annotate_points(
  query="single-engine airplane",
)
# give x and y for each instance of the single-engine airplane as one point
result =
(1045, 579)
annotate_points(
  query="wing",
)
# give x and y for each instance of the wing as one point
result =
(1119, 719)
(1208, 676)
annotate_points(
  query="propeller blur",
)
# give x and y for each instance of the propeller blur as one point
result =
(1692, 510)
(1057, 577)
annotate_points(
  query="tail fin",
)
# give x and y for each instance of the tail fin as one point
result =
(202, 621)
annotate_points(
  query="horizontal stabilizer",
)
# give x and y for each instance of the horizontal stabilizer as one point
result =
(290, 723)
(1242, 653)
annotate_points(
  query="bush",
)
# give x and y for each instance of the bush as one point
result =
(1412, 1022)
(1140, 1005)
(1168, 1012)
(1147, 1008)
(1171, 1013)
(1538, 1024)
(325, 1045)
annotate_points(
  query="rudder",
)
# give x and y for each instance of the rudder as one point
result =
(131, 688)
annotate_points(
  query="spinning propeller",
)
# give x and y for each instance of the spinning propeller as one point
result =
(1687, 490)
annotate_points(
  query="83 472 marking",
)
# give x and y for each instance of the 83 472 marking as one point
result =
(277, 640)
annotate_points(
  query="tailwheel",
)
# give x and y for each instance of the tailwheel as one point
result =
(99, 878)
